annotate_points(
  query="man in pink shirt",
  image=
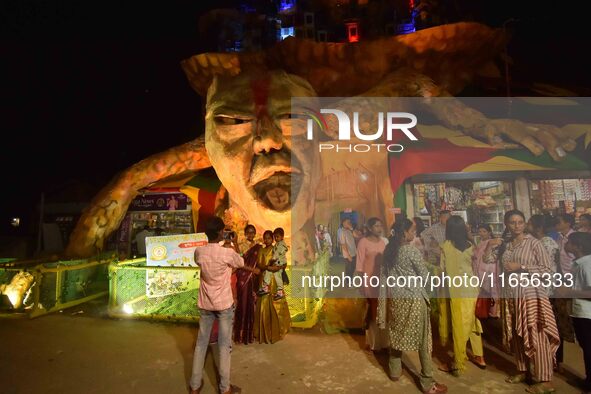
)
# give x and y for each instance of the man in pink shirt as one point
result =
(216, 301)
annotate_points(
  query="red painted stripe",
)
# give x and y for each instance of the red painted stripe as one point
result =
(207, 210)
(260, 93)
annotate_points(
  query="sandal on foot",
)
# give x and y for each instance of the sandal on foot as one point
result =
(451, 369)
(478, 361)
(519, 378)
(436, 388)
(197, 390)
(540, 388)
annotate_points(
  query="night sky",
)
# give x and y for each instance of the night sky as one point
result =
(92, 87)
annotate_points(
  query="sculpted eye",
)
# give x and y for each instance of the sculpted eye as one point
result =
(230, 120)
(293, 116)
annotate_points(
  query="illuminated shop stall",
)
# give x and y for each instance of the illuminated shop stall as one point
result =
(480, 182)
(571, 194)
(476, 201)
(170, 207)
(163, 212)
(483, 198)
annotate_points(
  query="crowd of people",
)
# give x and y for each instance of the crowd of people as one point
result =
(242, 289)
(536, 318)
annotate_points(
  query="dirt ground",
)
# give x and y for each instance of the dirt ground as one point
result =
(82, 350)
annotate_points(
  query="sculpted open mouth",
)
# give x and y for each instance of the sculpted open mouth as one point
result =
(277, 186)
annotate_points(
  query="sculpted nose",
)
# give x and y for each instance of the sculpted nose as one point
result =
(267, 137)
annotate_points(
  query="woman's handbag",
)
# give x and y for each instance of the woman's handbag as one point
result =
(483, 307)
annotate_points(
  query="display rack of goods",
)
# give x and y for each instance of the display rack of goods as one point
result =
(586, 189)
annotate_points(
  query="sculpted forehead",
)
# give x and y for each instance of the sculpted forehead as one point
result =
(238, 93)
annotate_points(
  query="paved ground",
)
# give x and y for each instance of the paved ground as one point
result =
(72, 352)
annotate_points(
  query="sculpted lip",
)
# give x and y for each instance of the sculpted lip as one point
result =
(276, 180)
(260, 174)
(279, 191)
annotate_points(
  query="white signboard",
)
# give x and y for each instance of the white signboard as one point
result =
(173, 250)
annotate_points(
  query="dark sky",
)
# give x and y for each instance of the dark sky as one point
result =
(92, 87)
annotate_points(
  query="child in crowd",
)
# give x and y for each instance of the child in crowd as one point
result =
(279, 259)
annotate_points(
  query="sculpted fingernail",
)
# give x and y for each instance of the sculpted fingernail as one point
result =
(560, 152)
(533, 128)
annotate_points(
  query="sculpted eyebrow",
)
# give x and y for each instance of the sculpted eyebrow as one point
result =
(229, 109)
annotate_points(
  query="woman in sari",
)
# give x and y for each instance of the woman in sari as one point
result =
(245, 287)
(529, 326)
(272, 319)
(460, 305)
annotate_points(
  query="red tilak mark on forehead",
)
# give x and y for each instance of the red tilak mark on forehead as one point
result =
(260, 93)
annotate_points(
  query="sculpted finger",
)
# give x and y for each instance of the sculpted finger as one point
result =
(549, 141)
(567, 143)
(516, 131)
(487, 133)
(531, 144)
(494, 138)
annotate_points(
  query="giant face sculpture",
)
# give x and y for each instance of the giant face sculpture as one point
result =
(249, 136)
(258, 150)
